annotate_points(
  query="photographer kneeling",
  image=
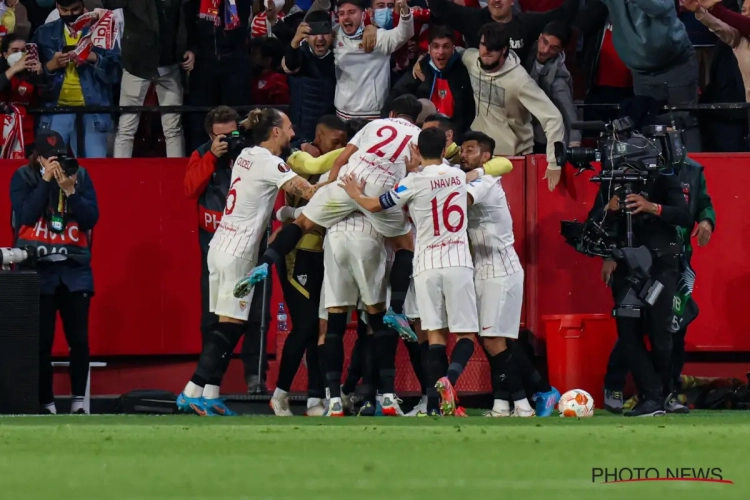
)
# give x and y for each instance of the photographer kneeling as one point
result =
(657, 207)
(54, 211)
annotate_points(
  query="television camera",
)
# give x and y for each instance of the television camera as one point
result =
(628, 161)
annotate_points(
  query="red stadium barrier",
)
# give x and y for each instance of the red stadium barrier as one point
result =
(146, 259)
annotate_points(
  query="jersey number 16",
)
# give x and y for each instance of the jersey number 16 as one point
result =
(446, 210)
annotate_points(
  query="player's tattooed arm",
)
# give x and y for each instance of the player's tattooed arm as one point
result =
(355, 189)
(297, 186)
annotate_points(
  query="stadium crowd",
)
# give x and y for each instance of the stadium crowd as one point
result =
(577, 51)
(506, 75)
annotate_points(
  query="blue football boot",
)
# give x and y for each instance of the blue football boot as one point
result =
(400, 323)
(246, 284)
(546, 402)
(217, 407)
(192, 405)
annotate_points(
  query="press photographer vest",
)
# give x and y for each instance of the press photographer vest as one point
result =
(213, 200)
(71, 242)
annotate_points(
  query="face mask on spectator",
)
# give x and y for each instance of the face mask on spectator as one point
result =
(14, 58)
(384, 18)
(70, 18)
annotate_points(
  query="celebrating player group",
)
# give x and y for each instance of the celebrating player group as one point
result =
(421, 248)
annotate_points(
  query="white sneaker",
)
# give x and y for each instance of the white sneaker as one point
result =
(420, 408)
(316, 411)
(518, 412)
(280, 406)
(391, 406)
(497, 414)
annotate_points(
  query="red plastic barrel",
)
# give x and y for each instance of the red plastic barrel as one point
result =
(578, 347)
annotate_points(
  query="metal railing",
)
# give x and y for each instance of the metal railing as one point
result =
(79, 111)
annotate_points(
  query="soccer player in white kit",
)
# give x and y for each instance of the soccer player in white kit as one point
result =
(257, 175)
(443, 269)
(499, 281)
(377, 153)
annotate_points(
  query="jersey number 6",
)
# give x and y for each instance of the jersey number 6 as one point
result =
(447, 210)
(231, 198)
(392, 134)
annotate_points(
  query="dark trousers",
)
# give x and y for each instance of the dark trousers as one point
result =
(617, 366)
(302, 286)
(217, 80)
(652, 373)
(250, 353)
(74, 312)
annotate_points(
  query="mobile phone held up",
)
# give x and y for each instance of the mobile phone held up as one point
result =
(320, 28)
(33, 51)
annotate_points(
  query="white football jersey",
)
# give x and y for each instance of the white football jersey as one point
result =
(437, 199)
(382, 149)
(354, 222)
(491, 230)
(257, 176)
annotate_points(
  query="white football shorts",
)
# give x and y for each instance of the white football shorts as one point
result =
(224, 271)
(499, 301)
(446, 299)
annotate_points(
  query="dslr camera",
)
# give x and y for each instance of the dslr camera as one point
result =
(68, 164)
(236, 142)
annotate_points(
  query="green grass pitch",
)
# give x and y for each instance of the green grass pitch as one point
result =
(186, 457)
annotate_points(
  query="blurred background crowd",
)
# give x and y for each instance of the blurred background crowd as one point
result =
(595, 59)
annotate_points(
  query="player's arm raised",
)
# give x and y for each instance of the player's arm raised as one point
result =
(297, 186)
(342, 160)
(496, 167)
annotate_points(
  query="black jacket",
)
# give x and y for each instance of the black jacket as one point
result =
(657, 233)
(140, 45)
(524, 28)
(212, 40)
(464, 110)
(312, 86)
(590, 23)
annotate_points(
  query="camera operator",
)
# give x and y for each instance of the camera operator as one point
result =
(207, 180)
(54, 211)
(657, 209)
(684, 309)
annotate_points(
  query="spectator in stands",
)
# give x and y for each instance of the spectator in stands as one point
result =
(222, 73)
(90, 6)
(608, 80)
(726, 130)
(731, 36)
(546, 65)
(55, 213)
(446, 81)
(19, 88)
(309, 62)
(263, 22)
(654, 44)
(524, 28)
(507, 97)
(269, 84)
(72, 85)
(8, 17)
(154, 48)
(452, 150)
(207, 180)
(364, 79)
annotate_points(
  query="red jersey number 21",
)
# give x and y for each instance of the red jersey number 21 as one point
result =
(389, 134)
(445, 213)
(231, 198)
